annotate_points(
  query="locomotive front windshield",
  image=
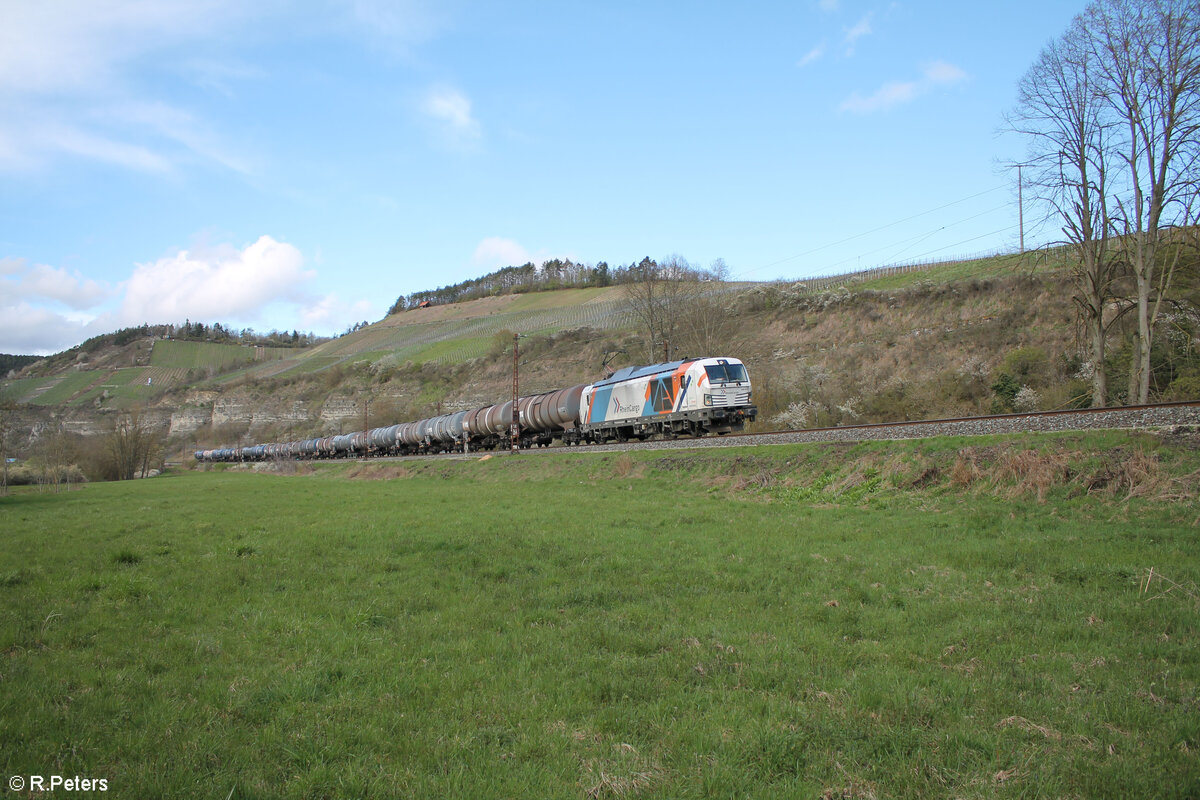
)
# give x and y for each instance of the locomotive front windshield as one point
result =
(726, 373)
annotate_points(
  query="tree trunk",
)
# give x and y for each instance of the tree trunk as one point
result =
(1135, 359)
(1099, 377)
(1142, 350)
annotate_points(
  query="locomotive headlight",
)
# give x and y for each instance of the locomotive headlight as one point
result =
(708, 399)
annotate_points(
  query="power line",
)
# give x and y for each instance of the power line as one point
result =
(913, 241)
(873, 230)
(1008, 229)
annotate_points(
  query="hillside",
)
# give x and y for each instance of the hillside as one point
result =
(873, 346)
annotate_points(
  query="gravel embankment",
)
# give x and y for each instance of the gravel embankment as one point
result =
(1118, 418)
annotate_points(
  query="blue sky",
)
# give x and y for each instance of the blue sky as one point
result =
(301, 164)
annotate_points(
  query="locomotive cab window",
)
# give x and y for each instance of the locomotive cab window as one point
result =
(725, 372)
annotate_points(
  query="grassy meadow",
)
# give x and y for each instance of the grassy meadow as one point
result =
(1007, 617)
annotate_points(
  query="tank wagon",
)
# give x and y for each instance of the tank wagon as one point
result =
(693, 397)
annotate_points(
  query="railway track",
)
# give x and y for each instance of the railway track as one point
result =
(1156, 416)
(1159, 415)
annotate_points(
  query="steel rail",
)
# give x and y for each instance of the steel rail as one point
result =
(844, 432)
(983, 418)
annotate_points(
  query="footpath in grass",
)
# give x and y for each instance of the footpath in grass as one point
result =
(938, 619)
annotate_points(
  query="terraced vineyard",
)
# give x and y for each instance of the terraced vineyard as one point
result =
(202, 355)
(451, 340)
(51, 390)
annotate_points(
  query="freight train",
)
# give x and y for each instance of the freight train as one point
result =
(693, 397)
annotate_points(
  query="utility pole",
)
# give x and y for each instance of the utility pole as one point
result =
(515, 428)
(1021, 206)
(366, 441)
(1021, 202)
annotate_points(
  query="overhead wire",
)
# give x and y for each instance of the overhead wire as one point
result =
(913, 241)
(869, 232)
(1006, 229)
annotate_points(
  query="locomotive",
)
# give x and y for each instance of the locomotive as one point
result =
(692, 397)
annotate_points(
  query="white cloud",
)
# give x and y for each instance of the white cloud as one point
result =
(181, 127)
(495, 252)
(45, 309)
(73, 73)
(58, 285)
(829, 5)
(67, 139)
(860, 29)
(218, 285)
(222, 75)
(62, 62)
(28, 329)
(400, 22)
(940, 72)
(934, 74)
(146, 137)
(886, 96)
(42, 283)
(71, 45)
(332, 314)
(451, 110)
(815, 54)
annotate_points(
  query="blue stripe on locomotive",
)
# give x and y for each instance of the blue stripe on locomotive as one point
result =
(600, 398)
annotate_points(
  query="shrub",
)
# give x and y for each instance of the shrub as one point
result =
(1028, 365)
(1186, 386)
(1005, 388)
(1027, 399)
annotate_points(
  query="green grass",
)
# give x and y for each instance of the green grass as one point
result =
(538, 301)
(607, 625)
(975, 269)
(128, 385)
(125, 385)
(190, 355)
(71, 384)
(31, 390)
(459, 340)
(454, 351)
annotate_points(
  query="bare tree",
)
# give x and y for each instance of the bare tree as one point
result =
(1061, 110)
(1149, 51)
(718, 271)
(709, 325)
(8, 424)
(132, 445)
(643, 295)
(680, 289)
(659, 297)
(55, 451)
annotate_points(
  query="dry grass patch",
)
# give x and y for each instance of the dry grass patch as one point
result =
(1162, 586)
(1141, 474)
(965, 471)
(625, 467)
(1032, 727)
(758, 480)
(1015, 472)
(379, 472)
(1032, 471)
(619, 779)
(858, 473)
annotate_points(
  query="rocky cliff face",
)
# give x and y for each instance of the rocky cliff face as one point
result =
(199, 413)
(202, 410)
